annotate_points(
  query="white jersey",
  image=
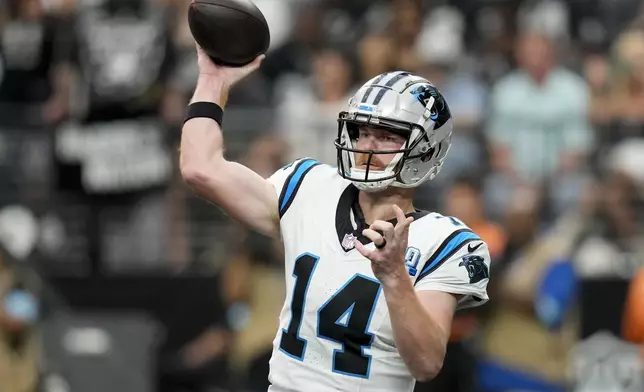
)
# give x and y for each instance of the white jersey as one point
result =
(335, 333)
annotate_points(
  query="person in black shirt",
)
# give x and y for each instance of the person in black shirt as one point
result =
(34, 66)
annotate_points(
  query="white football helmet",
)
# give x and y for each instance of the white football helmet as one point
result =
(406, 104)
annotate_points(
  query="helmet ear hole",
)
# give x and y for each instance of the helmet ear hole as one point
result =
(429, 154)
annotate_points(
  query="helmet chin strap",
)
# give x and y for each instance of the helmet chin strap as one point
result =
(372, 186)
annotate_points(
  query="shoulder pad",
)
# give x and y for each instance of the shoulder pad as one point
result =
(288, 180)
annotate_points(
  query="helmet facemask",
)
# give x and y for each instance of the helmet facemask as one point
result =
(401, 171)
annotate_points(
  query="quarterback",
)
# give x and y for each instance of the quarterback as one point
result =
(372, 282)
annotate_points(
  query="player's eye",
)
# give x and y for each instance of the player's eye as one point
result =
(363, 133)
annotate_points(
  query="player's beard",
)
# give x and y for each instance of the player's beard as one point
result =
(375, 164)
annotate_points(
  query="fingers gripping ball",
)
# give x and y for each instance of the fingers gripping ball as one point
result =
(231, 32)
(390, 243)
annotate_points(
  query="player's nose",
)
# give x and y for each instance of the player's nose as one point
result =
(369, 142)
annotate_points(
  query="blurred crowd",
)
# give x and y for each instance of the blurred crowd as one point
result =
(546, 165)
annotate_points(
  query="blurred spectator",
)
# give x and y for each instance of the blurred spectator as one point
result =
(394, 47)
(597, 72)
(375, 56)
(34, 92)
(113, 153)
(123, 79)
(548, 17)
(19, 344)
(627, 95)
(309, 108)
(441, 37)
(538, 122)
(405, 28)
(35, 72)
(615, 230)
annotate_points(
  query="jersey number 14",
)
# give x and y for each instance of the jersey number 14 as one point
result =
(343, 319)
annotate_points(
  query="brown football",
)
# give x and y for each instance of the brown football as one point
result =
(231, 32)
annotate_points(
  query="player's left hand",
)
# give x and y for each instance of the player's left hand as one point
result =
(388, 258)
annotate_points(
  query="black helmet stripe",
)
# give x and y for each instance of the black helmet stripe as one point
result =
(389, 84)
(365, 97)
(377, 82)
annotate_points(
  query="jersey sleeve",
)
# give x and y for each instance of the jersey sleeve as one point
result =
(460, 265)
(288, 179)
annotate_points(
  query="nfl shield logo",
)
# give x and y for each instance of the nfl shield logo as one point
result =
(347, 242)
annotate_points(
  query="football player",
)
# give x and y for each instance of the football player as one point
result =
(372, 282)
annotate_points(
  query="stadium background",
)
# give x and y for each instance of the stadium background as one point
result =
(113, 277)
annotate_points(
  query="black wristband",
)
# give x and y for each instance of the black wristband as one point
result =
(205, 109)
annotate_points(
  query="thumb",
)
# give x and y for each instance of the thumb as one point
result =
(200, 52)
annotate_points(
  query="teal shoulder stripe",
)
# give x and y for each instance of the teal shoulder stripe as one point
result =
(293, 182)
(447, 249)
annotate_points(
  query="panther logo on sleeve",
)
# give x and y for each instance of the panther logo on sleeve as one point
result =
(476, 268)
